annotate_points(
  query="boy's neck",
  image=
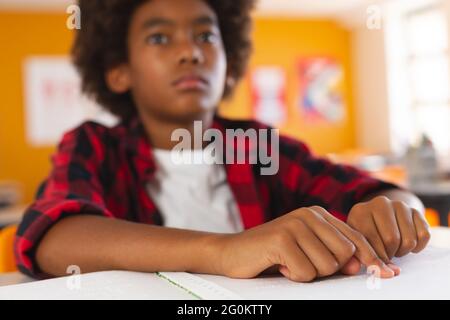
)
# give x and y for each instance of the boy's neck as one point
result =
(159, 132)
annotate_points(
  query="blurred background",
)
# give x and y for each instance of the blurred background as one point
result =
(362, 82)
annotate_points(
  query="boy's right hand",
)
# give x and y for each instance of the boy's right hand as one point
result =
(305, 244)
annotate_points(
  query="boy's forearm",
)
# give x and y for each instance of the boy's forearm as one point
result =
(96, 243)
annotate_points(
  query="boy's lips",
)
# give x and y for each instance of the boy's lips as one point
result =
(191, 82)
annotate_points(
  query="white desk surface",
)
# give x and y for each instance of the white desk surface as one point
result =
(111, 284)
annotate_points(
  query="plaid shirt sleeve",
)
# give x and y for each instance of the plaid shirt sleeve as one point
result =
(73, 187)
(307, 180)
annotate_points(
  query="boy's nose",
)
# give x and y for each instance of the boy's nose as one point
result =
(190, 53)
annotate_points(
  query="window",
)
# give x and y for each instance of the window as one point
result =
(428, 74)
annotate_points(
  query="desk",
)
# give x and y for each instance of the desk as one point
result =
(130, 285)
(13, 278)
(110, 285)
(440, 237)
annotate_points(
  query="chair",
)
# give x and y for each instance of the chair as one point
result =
(432, 217)
(7, 259)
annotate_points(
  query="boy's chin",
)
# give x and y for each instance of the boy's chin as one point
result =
(195, 110)
(187, 113)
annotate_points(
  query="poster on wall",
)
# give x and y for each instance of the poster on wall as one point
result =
(268, 92)
(54, 103)
(320, 94)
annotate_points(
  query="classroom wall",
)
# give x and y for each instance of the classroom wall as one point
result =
(371, 90)
(282, 42)
(381, 83)
(24, 34)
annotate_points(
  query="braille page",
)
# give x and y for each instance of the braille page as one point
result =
(108, 285)
(424, 276)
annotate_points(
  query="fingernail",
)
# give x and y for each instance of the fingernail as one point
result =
(388, 270)
(395, 268)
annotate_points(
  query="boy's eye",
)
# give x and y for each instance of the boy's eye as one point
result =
(207, 37)
(157, 38)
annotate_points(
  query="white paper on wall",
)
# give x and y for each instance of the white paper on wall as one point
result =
(268, 90)
(54, 103)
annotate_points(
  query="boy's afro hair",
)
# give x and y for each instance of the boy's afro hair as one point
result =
(101, 44)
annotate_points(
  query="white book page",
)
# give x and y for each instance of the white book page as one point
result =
(109, 285)
(424, 276)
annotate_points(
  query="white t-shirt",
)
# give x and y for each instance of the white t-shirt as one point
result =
(193, 196)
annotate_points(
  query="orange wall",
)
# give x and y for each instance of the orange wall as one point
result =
(22, 35)
(283, 42)
(277, 41)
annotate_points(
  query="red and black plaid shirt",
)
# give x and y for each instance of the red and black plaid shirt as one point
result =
(104, 171)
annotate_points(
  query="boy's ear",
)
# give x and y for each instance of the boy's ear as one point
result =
(118, 79)
(230, 81)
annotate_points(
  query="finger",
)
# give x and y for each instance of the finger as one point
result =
(407, 228)
(319, 255)
(394, 268)
(364, 252)
(422, 231)
(271, 270)
(352, 267)
(384, 217)
(341, 247)
(368, 257)
(370, 231)
(294, 264)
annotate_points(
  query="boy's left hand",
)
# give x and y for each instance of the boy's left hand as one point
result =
(391, 227)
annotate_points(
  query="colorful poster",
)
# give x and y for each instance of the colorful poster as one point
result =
(268, 91)
(320, 91)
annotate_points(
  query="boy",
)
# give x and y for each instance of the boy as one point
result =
(115, 199)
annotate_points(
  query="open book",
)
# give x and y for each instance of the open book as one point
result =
(424, 276)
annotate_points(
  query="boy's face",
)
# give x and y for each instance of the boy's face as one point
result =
(177, 63)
